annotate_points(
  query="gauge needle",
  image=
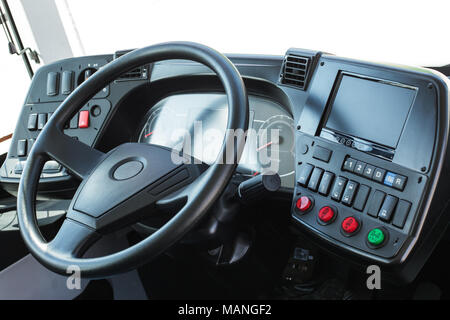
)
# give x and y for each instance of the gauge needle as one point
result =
(148, 134)
(264, 146)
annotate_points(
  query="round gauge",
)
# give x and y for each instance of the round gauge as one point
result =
(146, 132)
(275, 145)
(163, 127)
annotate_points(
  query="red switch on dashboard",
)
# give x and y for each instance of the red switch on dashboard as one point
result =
(83, 119)
(303, 204)
(350, 225)
(327, 214)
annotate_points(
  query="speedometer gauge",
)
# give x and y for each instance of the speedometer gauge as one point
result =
(275, 145)
(164, 127)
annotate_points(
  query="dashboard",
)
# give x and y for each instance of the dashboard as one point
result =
(361, 148)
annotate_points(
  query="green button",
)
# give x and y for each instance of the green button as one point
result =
(375, 236)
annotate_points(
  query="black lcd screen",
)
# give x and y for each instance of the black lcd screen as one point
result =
(372, 110)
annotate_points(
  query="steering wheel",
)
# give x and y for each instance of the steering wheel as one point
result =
(120, 186)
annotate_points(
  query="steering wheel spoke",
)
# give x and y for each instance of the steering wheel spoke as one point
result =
(74, 155)
(73, 239)
(176, 199)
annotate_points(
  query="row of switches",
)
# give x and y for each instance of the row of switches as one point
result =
(37, 121)
(387, 207)
(343, 190)
(350, 193)
(315, 178)
(67, 80)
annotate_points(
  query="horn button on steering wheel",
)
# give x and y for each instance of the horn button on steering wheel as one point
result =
(128, 170)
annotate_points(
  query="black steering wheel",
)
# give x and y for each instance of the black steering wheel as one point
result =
(120, 186)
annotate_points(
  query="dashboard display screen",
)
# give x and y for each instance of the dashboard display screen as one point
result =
(372, 110)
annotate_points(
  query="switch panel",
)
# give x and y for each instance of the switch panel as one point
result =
(370, 198)
(366, 170)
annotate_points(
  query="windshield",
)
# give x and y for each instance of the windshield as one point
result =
(347, 28)
(351, 28)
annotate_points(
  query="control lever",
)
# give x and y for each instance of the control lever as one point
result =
(258, 187)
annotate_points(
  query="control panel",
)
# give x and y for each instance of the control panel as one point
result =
(84, 126)
(50, 86)
(355, 199)
(370, 145)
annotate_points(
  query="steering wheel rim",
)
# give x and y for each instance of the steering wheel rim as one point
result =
(75, 156)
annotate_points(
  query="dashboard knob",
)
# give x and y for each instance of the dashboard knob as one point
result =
(85, 74)
(304, 204)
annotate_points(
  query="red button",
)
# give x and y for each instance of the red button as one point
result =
(304, 203)
(83, 120)
(326, 214)
(350, 225)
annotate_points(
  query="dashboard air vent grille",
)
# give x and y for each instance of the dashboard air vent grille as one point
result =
(295, 71)
(135, 74)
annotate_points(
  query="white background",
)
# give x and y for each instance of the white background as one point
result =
(406, 32)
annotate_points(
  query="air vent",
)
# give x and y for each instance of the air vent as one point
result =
(135, 74)
(295, 71)
(138, 73)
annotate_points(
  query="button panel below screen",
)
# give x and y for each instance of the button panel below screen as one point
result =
(377, 196)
